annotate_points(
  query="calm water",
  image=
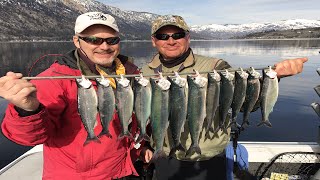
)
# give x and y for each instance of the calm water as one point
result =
(293, 119)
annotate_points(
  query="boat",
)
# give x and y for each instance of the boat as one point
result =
(298, 160)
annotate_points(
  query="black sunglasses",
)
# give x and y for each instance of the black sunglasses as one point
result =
(174, 36)
(98, 41)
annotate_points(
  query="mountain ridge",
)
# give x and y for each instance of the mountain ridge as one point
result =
(53, 20)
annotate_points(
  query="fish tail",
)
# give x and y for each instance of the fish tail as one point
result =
(209, 125)
(179, 147)
(90, 139)
(225, 130)
(207, 135)
(106, 133)
(221, 126)
(125, 134)
(158, 154)
(266, 122)
(193, 148)
(234, 122)
(216, 130)
(143, 137)
(245, 124)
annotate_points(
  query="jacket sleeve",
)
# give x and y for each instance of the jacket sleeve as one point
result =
(37, 128)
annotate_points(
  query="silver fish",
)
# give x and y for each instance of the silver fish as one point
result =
(142, 105)
(239, 95)
(106, 104)
(226, 97)
(159, 114)
(87, 107)
(178, 110)
(269, 95)
(212, 101)
(252, 95)
(124, 105)
(196, 109)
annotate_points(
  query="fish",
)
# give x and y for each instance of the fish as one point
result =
(212, 100)
(159, 114)
(317, 89)
(142, 105)
(87, 107)
(269, 94)
(106, 104)
(178, 110)
(226, 97)
(124, 105)
(252, 95)
(316, 108)
(239, 95)
(196, 112)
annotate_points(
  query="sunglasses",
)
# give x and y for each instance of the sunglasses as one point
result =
(174, 36)
(98, 41)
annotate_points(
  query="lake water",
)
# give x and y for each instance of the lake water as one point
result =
(293, 119)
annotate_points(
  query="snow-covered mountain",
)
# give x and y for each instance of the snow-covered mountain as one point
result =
(54, 20)
(237, 30)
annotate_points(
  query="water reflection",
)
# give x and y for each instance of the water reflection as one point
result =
(268, 48)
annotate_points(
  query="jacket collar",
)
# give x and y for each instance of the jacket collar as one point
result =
(156, 64)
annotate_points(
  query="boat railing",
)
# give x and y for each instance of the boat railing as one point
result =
(34, 150)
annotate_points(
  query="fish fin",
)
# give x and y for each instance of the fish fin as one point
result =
(179, 147)
(105, 133)
(158, 154)
(192, 149)
(266, 122)
(245, 124)
(143, 137)
(88, 140)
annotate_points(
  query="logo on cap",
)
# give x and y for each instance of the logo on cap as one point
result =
(97, 16)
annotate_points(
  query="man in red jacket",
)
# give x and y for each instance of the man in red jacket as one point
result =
(46, 111)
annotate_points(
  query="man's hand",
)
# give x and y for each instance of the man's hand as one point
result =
(18, 91)
(146, 155)
(290, 67)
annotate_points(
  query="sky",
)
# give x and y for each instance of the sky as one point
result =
(204, 12)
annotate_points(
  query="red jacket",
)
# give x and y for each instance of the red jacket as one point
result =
(59, 128)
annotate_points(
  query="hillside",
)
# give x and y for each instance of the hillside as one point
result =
(27, 20)
(286, 34)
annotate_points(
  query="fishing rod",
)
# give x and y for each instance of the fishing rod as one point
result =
(138, 75)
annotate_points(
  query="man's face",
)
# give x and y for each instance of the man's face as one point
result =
(171, 48)
(102, 54)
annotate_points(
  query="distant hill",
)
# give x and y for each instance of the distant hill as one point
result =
(53, 20)
(227, 31)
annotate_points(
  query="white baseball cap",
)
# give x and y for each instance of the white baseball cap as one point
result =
(90, 18)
